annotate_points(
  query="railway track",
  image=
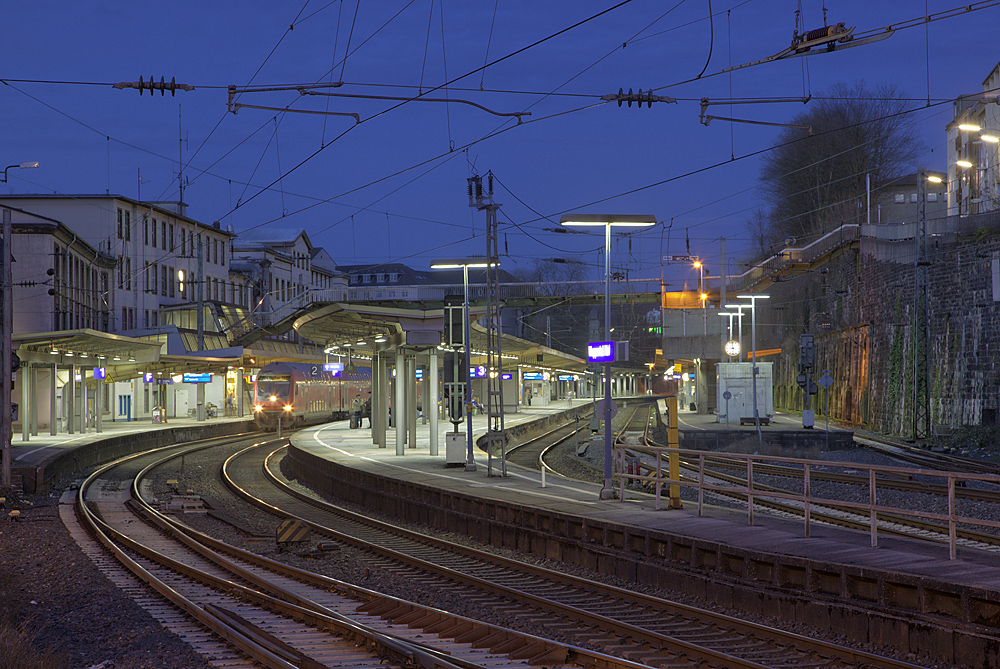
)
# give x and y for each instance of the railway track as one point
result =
(653, 631)
(242, 610)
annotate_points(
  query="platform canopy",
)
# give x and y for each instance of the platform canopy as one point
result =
(365, 329)
(85, 347)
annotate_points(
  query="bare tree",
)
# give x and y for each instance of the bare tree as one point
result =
(809, 181)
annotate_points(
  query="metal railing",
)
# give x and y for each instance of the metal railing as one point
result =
(708, 481)
(831, 241)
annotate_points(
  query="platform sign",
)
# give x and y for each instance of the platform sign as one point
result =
(204, 377)
(533, 376)
(601, 351)
(478, 372)
(608, 411)
(147, 377)
(335, 367)
(507, 377)
(100, 373)
(164, 382)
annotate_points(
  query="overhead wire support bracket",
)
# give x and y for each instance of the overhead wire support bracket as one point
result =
(238, 106)
(306, 91)
(706, 103)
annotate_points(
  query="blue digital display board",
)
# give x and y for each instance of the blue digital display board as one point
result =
(533, 376)
(205, 377)
(601, 351)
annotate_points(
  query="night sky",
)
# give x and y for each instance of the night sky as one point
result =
(392, 188)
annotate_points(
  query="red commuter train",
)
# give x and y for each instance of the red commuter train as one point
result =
(305, 394)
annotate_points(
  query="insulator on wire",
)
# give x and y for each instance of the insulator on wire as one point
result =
(162, 85)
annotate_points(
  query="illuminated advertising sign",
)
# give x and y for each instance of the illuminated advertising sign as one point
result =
(601, 351)
(205, 377)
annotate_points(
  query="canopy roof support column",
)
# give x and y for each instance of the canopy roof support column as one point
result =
(411, 400)
(53, 379)
(431, 404)
(399, 403)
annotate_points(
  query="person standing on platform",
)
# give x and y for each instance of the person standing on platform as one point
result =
(366, 409)
(527, 395)
(356, 407)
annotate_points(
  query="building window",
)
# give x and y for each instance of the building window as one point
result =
(128, 274)
(145, 231)
(900, 198)
(120, 214)
(163, 238)
(171, 236)
(156, 318)
(128, 226)
(163, 280)
(183, 243)
(932, 197)
(152, 241)
(172, 282)
(913, 197)
(215, 251)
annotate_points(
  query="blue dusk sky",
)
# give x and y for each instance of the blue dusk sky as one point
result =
(392, 187)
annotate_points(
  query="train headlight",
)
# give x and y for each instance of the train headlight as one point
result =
(274, 398)
(288, 407)
(258, 408)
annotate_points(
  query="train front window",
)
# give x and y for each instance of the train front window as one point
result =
(273, 386)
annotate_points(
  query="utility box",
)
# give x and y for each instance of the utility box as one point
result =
(455, 448)
(737, 378)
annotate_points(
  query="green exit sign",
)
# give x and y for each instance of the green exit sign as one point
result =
(656, 330)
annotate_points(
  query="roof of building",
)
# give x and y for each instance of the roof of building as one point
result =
(167, 208)
(408, 276)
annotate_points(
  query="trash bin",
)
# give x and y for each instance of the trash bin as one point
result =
(159, 415)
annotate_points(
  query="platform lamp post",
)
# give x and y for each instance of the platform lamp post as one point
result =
(607, 222)
(465, 264)
(6, 356)
(753, 344)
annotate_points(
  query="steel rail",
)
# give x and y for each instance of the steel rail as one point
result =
(604, 622)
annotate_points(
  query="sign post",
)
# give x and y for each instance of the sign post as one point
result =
(826, 381)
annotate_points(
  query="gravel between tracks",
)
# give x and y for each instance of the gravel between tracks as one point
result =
(48, 585)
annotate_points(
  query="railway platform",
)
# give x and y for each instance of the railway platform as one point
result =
(43, 458)
(833, 578)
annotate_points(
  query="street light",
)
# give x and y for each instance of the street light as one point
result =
(23, 166)
(607, 222)
(753, 343)
(465, 264)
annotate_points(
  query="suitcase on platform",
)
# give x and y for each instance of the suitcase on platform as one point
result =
(354, 422)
